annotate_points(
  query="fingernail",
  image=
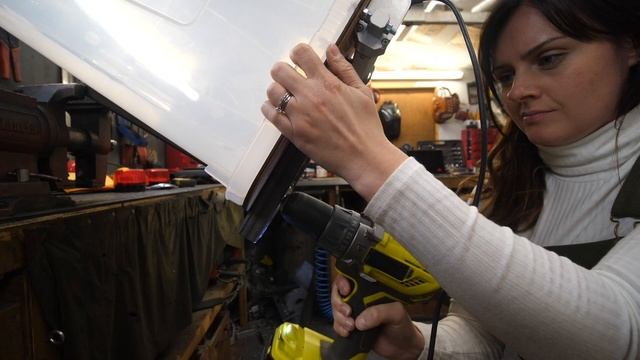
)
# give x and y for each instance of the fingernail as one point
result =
(344, 289)
(360, 323)
(350, 324)
(334, 51)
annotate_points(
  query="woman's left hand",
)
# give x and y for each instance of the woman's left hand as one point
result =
(332, 118)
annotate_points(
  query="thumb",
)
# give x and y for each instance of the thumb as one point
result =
(377, 315)
(341, 68)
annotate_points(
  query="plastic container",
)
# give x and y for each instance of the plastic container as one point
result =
(196, 71)
(126, 179)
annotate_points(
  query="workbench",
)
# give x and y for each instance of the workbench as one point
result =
(119, 274)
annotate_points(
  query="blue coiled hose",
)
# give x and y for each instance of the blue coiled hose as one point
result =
(323, 282)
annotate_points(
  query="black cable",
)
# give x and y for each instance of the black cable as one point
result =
(484, 126)
(442, 296)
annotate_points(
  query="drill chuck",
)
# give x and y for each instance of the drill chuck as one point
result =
(306, 213)
(333, 227)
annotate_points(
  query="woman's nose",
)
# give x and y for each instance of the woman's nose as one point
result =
(523, 87)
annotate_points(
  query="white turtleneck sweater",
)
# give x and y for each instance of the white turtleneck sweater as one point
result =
(514, 292)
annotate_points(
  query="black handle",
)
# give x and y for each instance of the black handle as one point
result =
(358, 342)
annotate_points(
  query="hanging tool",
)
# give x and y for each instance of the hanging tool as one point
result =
(10, 60)
(379, 268)
(5, 56)
(376, 27)
(14, 47)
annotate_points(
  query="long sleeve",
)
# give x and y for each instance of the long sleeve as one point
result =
(542, 305)
(460, 337)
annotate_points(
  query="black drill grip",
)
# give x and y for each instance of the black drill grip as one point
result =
(357, 342)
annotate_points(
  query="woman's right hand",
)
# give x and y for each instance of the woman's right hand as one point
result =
(332, 118)
(398, 338)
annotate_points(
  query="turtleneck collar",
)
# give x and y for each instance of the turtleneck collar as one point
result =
(597, 151)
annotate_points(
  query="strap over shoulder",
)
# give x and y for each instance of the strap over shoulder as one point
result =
(627, 203)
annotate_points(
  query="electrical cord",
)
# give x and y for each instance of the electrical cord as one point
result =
(484, 126)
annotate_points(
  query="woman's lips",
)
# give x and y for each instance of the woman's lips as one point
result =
(534, 115)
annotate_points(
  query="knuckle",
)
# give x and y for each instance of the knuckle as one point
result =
(372, 316)
(339, 330)
(278, 68)
(299, 50)
(271, 90)
(367, 91)
(331, 85)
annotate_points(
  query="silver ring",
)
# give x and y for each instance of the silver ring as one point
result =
(284, 101)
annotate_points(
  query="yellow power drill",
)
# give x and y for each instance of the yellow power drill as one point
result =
(379, 268)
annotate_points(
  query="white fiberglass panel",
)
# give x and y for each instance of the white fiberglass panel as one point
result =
(196, 71)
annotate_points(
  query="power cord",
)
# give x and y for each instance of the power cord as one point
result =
(484, 126)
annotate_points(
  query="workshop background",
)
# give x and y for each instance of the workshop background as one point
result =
(117, 244)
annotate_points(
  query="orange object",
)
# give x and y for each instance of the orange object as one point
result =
(157, 176)
(126, 179)
(5, 60)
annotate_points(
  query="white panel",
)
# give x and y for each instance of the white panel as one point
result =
(194, 70)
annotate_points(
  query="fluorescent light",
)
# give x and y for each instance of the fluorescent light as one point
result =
(484, 5)
(418, 75)
(432, 4)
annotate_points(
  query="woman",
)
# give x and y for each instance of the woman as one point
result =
(566, 73)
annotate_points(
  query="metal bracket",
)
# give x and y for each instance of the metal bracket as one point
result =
(377, 26)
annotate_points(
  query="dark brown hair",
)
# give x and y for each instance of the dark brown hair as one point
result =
(514, 195)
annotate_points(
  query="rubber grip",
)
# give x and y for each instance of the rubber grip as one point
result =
(358, 342)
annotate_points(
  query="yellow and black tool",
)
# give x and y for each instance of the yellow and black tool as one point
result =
(379, 268)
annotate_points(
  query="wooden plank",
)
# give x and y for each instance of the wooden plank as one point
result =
(187, 342)
(218, 346)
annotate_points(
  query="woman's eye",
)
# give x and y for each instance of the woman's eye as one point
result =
(548, 61)
(504, 80)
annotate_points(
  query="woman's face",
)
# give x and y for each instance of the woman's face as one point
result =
(557, 89)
